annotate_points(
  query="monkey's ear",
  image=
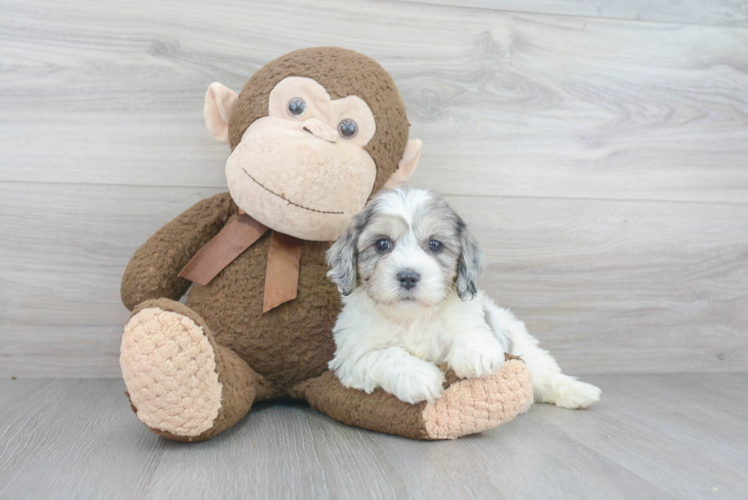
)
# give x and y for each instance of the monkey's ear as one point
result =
(407, 165)
(219, 101)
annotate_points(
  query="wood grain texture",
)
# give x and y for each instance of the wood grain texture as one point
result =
(607, 286)
(529, 104)
(64, 248)
(603, 163)
(620, 287)
(654, 436)
(712, 12)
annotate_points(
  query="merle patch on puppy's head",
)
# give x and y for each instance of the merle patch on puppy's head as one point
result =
(407, 248)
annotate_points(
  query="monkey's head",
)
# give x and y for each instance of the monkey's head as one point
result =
(313, 135)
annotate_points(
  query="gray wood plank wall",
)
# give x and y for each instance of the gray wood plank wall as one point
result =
(598, 149)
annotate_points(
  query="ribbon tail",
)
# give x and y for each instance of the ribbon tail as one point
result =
(282, 274)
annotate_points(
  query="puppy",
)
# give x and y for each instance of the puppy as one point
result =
(407, 267)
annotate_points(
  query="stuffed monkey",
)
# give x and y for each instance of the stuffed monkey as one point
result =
(313, 135)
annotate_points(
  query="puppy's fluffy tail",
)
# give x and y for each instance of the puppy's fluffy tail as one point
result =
(549, 384)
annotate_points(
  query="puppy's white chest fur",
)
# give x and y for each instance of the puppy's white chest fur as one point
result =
(399, 347)
(423, 337)
(430, 333)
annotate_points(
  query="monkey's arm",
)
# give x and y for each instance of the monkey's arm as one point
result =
(153, 270)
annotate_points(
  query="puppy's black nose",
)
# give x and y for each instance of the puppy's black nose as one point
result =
(408, 279)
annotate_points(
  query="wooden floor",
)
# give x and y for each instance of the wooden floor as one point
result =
(651, 436)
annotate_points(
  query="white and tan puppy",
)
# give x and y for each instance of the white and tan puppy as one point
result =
(407, 267)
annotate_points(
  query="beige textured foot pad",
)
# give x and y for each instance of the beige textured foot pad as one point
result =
(169, 367)
(474, 405)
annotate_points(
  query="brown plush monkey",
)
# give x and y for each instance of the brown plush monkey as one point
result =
(313, 135)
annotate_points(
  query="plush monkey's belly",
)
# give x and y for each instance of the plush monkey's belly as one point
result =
(288, 344)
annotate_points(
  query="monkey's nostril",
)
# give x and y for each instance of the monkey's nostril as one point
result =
(408, 279)
(307, 130)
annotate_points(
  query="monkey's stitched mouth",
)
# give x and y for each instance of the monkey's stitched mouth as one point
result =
(286, 199)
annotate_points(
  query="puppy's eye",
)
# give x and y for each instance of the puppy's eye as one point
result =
(435, 246)
(383, 246)
(347, 128)
(296, 106)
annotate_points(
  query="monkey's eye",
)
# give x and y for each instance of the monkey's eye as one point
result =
(296, 106)
(383, 246)
(347, 128)
(435, 246)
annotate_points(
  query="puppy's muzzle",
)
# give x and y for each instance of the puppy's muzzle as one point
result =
(408, 279)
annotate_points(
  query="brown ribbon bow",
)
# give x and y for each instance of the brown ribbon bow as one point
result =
(281, 275)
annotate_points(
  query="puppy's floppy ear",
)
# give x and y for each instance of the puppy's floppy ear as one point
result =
(342, 255)
(471, 264)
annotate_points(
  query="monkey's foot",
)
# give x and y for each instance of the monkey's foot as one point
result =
(180, 384)
(477, 404)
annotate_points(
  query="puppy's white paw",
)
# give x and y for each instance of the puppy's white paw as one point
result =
(421, 382)
(571, 393)
(476, 360)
